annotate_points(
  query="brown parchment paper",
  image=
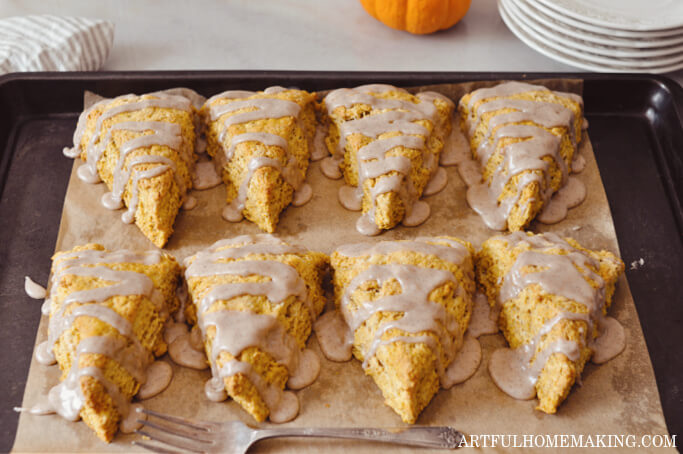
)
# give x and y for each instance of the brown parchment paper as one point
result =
(619, 397)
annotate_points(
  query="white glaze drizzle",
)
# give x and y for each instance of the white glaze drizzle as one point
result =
(484, 319)
(420, 314)
(319, 148)
(190, 203)
(96, 145)
(163, 134)
(566, 274)
(130, 423)
(195, 98)
(205, 176)
(67, 398)
(335, 330)
(334, 337)
(158, 378)
(255, 330)
(393, 115)
(33, 290)
(46, 307)
(256, 109)
(465, 363)
(523, 156)
(183, 352)
(568, 196)
(125, 172)
(173, 330)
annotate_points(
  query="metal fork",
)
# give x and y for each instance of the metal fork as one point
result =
(236, 437)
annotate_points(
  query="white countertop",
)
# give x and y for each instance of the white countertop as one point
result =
(293, 35)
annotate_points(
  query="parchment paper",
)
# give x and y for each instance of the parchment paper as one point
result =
(619, 397)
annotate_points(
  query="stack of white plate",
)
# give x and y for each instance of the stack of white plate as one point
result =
(601, 35)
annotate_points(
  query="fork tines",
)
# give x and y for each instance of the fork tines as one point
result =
(155, 448)
(175, 432)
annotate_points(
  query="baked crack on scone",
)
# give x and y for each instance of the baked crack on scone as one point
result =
(387, 144)
(255, 299)
(553, 295)
(402, 309)
(143, 148)
(524, 138)
(260, 143)
(107, 315)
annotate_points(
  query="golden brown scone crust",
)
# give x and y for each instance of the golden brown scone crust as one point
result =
(389, 207)
(292, 313)
(522, 317)
(160, 197)
(99, 411)
(529, 202)
(406, 373)
(268, 192)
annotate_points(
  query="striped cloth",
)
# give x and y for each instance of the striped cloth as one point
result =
(54, 43)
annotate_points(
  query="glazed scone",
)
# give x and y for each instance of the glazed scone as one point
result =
(107, 315)
(142, 147)
(553, 295)
(387, 144)
(524, 138)
(403, 307)
(255, 299)
(260, 142)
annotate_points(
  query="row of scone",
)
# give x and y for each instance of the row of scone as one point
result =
(386, 142)
(406, 309)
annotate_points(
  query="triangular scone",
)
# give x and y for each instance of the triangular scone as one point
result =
(525, 139)
(387, 143)
(260, 142)
(143, 149)
(406, 306)
(107, 315)
(552, 295)
(255, 299)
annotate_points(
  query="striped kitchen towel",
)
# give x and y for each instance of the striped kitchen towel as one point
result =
(54, 43)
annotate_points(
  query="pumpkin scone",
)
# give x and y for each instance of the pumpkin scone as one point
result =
(552, 295)
(523, 139)
(143, 148)
(402, 310)
(255, 299)
(260, 142)
(107, 315)
(387, 144)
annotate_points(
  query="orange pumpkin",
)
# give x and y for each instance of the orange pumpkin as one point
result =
(417, 16)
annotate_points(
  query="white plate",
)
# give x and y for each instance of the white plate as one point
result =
(606, 40)
(604, 30)
(630, 15)
(633, 63)
(568, 59)
(556, 37)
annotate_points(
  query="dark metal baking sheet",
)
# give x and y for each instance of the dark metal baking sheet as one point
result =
(635, 128)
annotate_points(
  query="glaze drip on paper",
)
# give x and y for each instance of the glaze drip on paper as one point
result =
(263, 331)
(244, 107)
(524, 127)
(67, 398)
(569, 274)
(130, 168)
(422, 320)
(379, 171)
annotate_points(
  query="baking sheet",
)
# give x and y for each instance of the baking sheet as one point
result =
(619, 397)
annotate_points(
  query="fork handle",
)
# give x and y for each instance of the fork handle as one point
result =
(427, 437)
